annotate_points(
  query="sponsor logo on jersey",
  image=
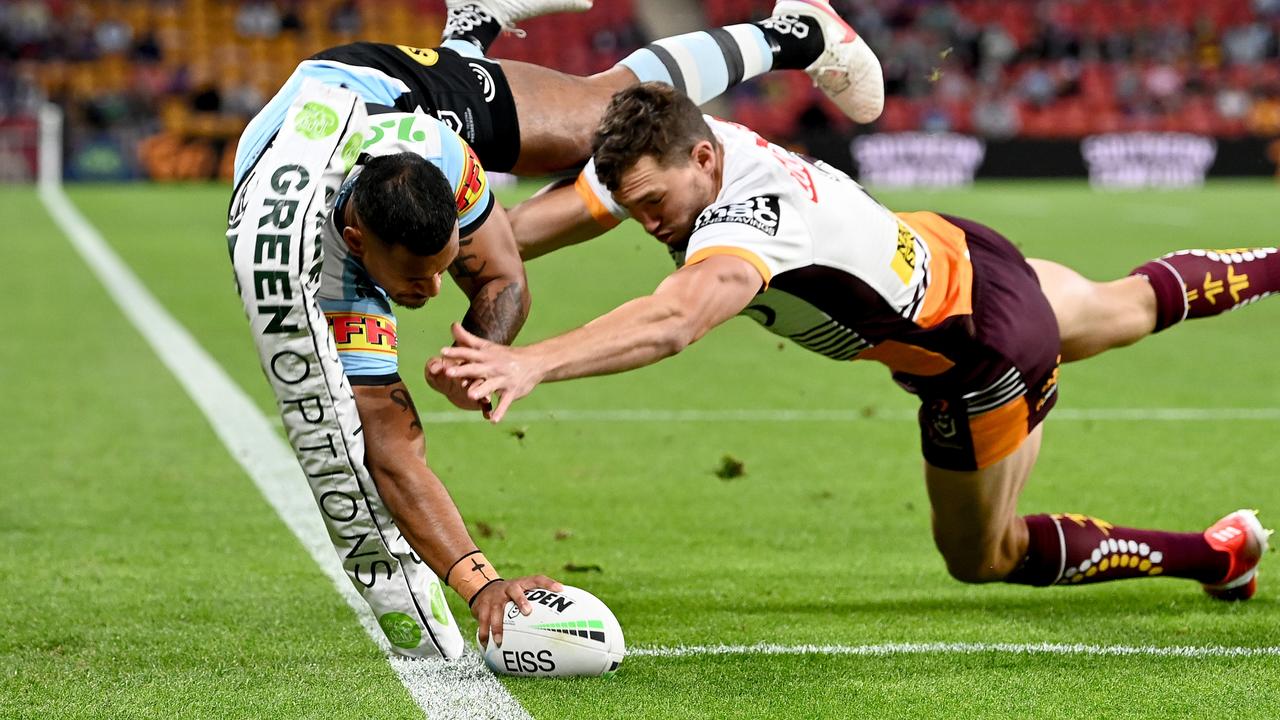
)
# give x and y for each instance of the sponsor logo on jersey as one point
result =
(762, 213)
(402, 124)
(422, 56)
(904, 259)
(486, 81)
(316, 121)
(474, 183)
(401, 630)
(360, 332)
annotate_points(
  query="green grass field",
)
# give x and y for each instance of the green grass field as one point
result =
(145, 576)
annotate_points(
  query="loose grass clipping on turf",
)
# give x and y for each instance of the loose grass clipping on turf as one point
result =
(576, 568)
(730, 468)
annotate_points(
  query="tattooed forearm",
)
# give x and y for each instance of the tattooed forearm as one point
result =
(400, 396)
(465, 267)
(497, 314)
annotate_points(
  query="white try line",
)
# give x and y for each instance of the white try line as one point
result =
(459, 689)
(803, 416)
(939, 648)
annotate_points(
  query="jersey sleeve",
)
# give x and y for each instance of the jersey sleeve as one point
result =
(756, 230)
(598, 199)
(470, 184)
(364, 332)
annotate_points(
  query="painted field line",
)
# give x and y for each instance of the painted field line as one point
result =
(460, 689)
(890, 649)
(1168, 414)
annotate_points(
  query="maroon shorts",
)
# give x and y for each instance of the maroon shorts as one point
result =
(1005, 379)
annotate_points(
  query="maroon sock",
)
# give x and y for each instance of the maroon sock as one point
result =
(1201, 283)
(1070, 549)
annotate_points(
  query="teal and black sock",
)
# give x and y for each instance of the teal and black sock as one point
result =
(795, 40)
(704, 64)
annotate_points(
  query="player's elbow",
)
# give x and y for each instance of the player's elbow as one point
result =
(395, 474)
(390, 476)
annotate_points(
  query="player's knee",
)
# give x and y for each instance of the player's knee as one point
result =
(976, 564)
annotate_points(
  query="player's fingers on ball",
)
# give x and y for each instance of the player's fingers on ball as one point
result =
(515, 593)
(495, 627)
(548, 583)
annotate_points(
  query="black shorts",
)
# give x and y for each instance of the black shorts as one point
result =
(1006, 380)
(471, 96)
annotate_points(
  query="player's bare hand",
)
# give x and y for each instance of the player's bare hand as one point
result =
(511, 373)
(455, 389)
(490, 604)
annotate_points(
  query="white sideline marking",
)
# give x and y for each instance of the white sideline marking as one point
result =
(460, 689)
(773, 415)
(886, 649)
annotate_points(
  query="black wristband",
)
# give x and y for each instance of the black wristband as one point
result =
(472, 601)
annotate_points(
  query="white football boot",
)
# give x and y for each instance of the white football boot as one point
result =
(465, 13)
(847, 71)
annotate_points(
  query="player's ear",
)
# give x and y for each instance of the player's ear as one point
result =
(354, 238)
(704, 155)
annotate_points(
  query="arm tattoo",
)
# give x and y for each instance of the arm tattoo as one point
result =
(497, 315)
(463, 268)
(400, 396)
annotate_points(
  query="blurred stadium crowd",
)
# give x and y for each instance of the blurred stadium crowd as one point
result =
(177, 79)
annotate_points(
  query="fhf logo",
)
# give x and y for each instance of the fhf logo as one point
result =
(360, 332)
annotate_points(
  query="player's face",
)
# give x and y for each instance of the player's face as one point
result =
(409, 280)
(667, 199)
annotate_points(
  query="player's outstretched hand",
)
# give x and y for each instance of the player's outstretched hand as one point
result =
(511, 373)
(490, 603)
(455, 389)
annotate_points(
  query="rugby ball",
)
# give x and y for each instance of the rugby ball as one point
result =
(569, 633)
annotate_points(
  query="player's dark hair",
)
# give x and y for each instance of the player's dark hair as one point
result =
(647, 119)
(406, 200)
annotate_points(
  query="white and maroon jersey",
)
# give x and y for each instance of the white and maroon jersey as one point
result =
(843, 275)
